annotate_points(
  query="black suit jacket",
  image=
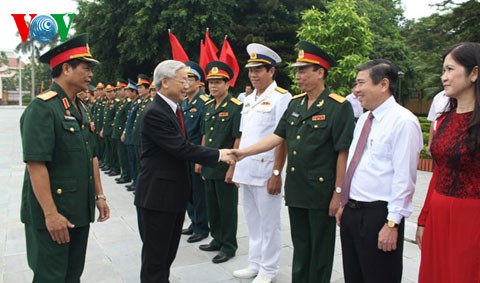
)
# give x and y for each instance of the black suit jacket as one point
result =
(164, 182)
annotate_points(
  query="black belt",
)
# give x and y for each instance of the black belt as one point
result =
(363, 204)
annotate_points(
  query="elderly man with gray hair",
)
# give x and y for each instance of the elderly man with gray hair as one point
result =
(164, 185)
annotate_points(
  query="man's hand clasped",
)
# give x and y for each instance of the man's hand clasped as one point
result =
(228, 156)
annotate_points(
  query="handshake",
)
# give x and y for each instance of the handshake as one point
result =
(230, 156)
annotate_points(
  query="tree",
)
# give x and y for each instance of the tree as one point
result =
(343, 34)
(33, 48)
(129, 43)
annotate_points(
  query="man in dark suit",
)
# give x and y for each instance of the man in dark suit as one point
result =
(164, 181)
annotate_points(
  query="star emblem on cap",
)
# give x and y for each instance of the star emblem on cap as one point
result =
(214, 70)
(301, 53)
(253, 55)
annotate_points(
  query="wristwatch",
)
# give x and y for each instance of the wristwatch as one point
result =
(97, 197)
(391, 224)
(338, 189)
(276, 172)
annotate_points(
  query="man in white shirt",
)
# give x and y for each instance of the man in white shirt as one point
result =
(243, 95)
(438, 106)
(380, 180)
(353, 99)
(259, 176)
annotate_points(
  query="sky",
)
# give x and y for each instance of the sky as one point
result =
(414, 9)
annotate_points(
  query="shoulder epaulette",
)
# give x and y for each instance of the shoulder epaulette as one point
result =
(236, 101)
(299, 95)
(151, 98)
(204, 97)
(210, 101)
(117, 100)
(129, 99)
(337, 98)
(281, 90)
(47, 95)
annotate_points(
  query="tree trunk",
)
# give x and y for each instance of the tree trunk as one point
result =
(32, 70)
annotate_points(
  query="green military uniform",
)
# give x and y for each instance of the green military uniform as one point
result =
(55, 132)
(118, 128)
(98, 112)
(314, 138)
(110, 145)
(136, 134)
(221, 126)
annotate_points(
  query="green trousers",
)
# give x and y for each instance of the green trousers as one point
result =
(222, 202)
(53, 262)
(313, 238)
(123, 160)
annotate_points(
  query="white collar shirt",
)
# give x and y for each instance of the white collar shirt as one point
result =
(170, 102)
(387, 170)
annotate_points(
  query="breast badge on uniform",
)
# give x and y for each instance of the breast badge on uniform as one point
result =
(193, 110)
(266, 103)
(223, 114)
(318, 118)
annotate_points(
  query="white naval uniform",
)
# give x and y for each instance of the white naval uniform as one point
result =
(260, 116)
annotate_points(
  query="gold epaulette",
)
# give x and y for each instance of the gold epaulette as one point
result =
(281, 90)
(236, 101)
(337, 98)
(129, 99)
(151, 98)
(210, 101)
(204, 97)
(299, 95)
(117, 100)
(47, 95)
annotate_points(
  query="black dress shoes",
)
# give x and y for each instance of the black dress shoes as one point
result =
(209, 248)
(131, 189)
(105, 168)
(188, 231)
(118, 178)
(123, 181)
(114, 173)
(195, 238)
(221, 257)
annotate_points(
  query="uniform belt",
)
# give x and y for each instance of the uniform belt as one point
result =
(363, 204)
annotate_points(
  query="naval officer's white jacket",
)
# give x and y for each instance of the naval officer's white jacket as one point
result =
(260, 116)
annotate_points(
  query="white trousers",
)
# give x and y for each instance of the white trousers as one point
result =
(262, 213)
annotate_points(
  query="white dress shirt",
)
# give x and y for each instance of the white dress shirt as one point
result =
(356, 105)
(260, 116)
(438, 106)
(387, 170)
(170, 102)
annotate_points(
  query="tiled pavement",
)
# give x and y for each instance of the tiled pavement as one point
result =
(114, 246)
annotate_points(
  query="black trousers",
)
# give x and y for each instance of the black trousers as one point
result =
(363, 262)
(160, 233)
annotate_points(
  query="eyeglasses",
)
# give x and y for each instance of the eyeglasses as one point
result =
(183, 82)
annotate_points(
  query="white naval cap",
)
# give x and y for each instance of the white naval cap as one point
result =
(261, 55)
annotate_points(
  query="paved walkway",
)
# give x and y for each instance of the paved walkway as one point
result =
(114, 246)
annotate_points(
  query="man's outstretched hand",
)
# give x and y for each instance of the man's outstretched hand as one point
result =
(227, 156)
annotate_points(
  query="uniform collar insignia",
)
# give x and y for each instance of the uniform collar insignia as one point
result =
(320, 104)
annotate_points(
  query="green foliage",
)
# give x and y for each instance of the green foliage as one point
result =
(132, 37)
(424, 153)
(343, 34)
(425, 127)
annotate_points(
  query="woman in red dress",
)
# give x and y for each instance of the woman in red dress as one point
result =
(448, 231)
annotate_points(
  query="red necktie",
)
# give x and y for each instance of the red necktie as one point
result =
(180, 120)
(362, 141)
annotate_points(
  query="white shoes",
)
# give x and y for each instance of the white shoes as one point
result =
(245, 273)
(262, 279)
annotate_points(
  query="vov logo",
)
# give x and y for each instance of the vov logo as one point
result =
(43, 28)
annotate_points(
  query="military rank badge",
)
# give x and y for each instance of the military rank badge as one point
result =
(223, 114)
(193, 110)
(266, 103)
(318, 118)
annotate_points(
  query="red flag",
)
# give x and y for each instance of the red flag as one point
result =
(177, 50)
(208, 50)
(228, 56)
